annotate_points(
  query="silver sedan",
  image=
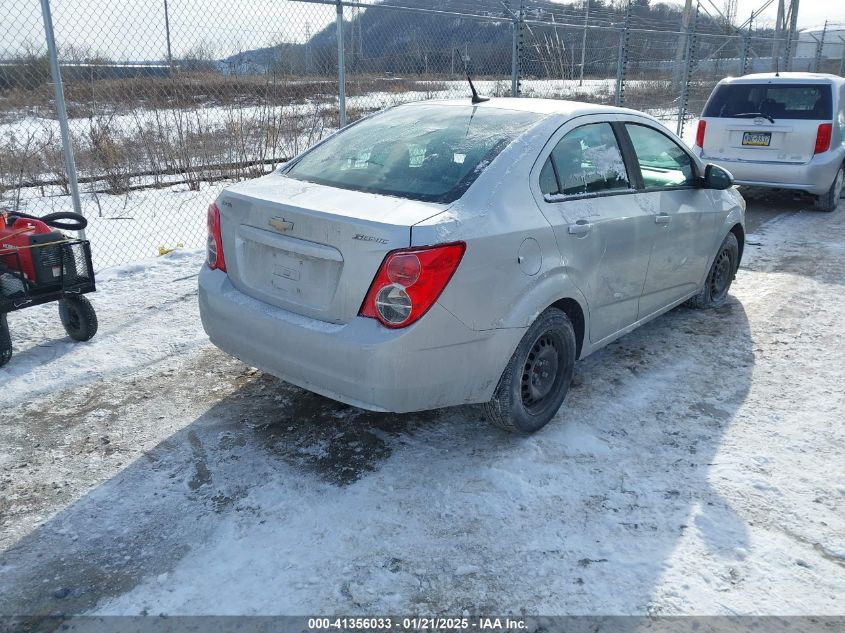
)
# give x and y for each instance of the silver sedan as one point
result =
(445, 253)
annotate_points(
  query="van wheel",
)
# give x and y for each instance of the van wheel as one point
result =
(830, 200)
(537, 378)
(721, 275)
(5, 341)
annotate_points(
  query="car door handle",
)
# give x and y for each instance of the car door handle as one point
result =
(580, 228)
(663, 218)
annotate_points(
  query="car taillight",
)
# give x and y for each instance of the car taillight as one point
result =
(214, 248)
(699, 133)
(409, 281)
(823, 138)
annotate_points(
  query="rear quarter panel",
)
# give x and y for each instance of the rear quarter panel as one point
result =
(500, 222)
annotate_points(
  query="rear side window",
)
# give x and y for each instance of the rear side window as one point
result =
(587, 160)
(779, 101)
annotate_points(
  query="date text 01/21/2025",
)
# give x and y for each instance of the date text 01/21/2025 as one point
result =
(417, 623)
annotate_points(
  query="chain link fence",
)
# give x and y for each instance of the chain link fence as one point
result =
(168, 101)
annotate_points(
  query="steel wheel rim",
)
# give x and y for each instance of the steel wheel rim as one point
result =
(720, 279)
(837, 187)
(541, 371)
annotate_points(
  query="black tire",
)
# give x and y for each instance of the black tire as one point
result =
(78, 317)
(527, 396)
(721, 275)
(830, 200)
(5, 341)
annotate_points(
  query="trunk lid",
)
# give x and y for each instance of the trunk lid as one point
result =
(311, 249)
(760, 140)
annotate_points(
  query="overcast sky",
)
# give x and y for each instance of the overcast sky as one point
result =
(134, 29)
(810, 12)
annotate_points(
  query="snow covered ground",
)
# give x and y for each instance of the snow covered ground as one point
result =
(697, 466)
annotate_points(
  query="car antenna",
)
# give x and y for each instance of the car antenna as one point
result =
(777, 66)
(476, 98)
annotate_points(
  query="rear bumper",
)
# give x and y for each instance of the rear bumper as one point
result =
(436, 362)
(814, 177)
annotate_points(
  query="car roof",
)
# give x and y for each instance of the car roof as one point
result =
(547, 107)
(785, 77)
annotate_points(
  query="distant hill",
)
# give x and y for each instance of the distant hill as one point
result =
(399, 43)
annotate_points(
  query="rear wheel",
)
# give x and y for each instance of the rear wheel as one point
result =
(830, 200)
(721, 275)
(78, 317)
(5, 341)
(536, 380)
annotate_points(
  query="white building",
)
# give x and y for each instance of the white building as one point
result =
(834, 41)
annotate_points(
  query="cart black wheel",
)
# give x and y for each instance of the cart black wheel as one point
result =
(5, 341)
(78, 317)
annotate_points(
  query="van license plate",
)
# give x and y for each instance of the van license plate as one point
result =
(757, 139)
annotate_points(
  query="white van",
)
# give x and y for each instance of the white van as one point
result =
(783, 130)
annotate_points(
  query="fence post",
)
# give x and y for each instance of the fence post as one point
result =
(622, 62)
(167, 34)
(690, 53)
(584, 41)
(61, 110)
(516, 51)
(820, 48)
(842, 61)
(341, 65)
(793, 27)
(746, 46)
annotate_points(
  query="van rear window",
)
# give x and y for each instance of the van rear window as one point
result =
(778, 101)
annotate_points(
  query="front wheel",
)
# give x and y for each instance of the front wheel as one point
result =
(537, 378)
(830, 200)
(78, 317)
(5, 341)
(721, 275)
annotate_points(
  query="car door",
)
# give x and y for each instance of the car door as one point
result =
(604, 237)
(683, 216)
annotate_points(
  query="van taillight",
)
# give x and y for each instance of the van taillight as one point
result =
(214, 250)
(699, 133)
(409, 281)
(823, 138)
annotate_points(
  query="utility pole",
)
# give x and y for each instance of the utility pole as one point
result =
(584, 41)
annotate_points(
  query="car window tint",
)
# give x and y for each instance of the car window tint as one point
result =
(779, 101)
(548, 180)
(662, 161)
(422, 152)
(588, 160)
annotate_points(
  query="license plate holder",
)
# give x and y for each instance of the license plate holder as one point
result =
(756, 139)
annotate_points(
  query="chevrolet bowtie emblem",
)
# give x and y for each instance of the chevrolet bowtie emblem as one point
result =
(280, 224)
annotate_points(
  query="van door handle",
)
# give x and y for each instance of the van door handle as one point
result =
(663, 218)
(580, 228)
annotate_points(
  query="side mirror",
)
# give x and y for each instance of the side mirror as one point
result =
(717, 178)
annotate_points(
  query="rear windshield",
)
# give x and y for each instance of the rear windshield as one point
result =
(426, 152)
(778, 101)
